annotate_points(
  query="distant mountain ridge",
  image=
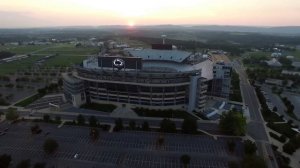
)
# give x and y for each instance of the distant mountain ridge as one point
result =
(283, 30)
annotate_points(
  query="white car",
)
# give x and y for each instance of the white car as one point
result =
(76, 156)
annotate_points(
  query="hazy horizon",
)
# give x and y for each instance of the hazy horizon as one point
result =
(57, 13)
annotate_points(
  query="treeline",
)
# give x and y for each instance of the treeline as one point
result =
(236, 91)
(193, 45)
(5, 54)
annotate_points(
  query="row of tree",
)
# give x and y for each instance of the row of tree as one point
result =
(189, 126)
(6, 160)
(289, 105)
(49, 146)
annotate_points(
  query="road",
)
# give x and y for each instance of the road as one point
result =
(256, 127)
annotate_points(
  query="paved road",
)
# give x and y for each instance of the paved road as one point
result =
(256, 127)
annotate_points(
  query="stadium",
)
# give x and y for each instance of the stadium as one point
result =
(160, 77)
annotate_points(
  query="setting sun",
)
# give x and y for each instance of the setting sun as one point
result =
(131, 24)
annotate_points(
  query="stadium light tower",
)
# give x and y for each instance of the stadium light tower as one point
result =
(164, 38)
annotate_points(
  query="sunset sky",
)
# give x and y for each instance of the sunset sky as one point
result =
(42, 13)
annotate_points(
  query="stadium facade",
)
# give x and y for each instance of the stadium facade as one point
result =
(156, 78)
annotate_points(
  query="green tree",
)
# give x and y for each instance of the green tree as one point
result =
(80, 119)
(11, 114)
(5, 161)
(60, 82)
(132, 125)
(160, 140)
(185, 160)
(231, 146)
(289, 148)
(58, 119)
(253, 161)
(35, 129)
(233, 123)
(118, 124)
(167, 125)
(39, 165)
(233, 164)
(145, 126)
(46, 118)
(94, 133)
(93, 121)
(189, 126)
(24, 164)
(250, 147)
(50, 146)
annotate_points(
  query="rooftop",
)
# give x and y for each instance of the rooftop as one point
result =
(70, 79)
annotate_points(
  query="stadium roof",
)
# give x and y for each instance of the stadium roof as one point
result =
(163, 55)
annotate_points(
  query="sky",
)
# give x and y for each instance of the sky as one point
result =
(45, 13)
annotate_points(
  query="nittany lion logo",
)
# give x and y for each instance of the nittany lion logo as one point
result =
(119, 63)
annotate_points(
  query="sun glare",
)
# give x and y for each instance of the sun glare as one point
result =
(131, 24)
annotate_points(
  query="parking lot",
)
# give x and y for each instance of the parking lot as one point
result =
(117, 149)
(295, 100)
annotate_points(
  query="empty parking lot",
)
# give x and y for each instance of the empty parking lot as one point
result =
(117, 149)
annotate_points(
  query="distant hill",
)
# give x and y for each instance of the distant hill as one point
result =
(287, 30)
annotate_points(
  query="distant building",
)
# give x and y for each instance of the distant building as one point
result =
(296, 64)
(276, 55)
(278, 82)
(286, 72)
(290, 57)
(273, 63)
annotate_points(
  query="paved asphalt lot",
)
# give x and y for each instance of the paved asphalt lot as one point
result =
(118, 149)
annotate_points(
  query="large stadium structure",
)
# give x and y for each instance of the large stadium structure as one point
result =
(157, 78)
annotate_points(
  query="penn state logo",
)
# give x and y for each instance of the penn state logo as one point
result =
(119, 63)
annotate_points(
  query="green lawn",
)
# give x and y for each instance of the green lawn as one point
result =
(12, 67)
(29, 100)
(99, 107)
(62, 60)
(26, 49)
(255, 58)
(69, 49)
(163, 113)
(67, 55)
(296, 54)
(131, 42)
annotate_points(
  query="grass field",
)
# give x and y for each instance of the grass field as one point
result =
(132, 43)
(163, 113)
(296, 54)
(256, 57)
(67, 55)
(23, 49)
(258, 54)
(69, 49)
(18, 65)
(29, 100)
(64, 60)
